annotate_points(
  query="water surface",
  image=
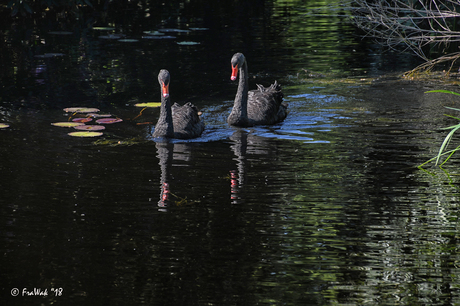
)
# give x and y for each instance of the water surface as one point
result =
(327, 207)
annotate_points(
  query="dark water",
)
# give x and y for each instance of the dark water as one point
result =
(327, 207)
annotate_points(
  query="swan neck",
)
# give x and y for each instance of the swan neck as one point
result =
(239, 114)
(242, 94)
(165, 122)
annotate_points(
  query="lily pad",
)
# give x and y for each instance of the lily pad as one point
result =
(158, 37)
(108, 120)
(48, 55)
(155, 33)
(128, 40)
(187, 43)
(112, 36)
(81, 110)
(53, 54)
(88, 127)
(81, 120)
(148, 104)
(173, 30)
(4, 125)
(94, 115)
(103, 28)
(67, 124)
(85, 134)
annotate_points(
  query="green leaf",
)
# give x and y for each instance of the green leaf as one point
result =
(85, 134)
(67, 124)
(188, 43)
(148, 104)
(456, 109)
(446, 142)
(453, 117)
(444, 91)
(81, 110)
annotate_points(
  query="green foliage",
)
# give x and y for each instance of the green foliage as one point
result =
(448, 138)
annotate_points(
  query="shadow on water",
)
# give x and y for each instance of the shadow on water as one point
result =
(327, 207)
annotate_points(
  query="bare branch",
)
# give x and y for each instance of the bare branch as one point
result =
(415, 23)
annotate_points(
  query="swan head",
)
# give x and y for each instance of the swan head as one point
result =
(163, 79)
(238, 60)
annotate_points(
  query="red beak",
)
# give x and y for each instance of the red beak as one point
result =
(234, 72)
(165, 89)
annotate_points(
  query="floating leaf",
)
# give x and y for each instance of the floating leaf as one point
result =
(159, 37)
(444, 91)
(128, 40)
(103, 28)
(48, 55)
(148, 104)
(187, 43)
(67, 124)
(88, 127)
(155, 33)
(81, 110)
(85, 134)
(173, 30)
(82, 120)
(4, 125)
(53, 54)
(108, 120)
(99, 115)
(112, 36)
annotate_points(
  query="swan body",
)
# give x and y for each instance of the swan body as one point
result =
(262, 106)
(182, 122)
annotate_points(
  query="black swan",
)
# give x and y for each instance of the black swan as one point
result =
(255, 107)
(176, 121)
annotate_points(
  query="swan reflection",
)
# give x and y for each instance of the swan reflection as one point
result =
(168, 152)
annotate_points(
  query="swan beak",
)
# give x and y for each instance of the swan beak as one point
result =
(165, 89)
(234, 72)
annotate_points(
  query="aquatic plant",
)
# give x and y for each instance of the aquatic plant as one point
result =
(87, 127)
(148, 104)
(108, 120)
(67, 124)
(85, 134)
(448, 138)
(82, 120)
(81, 110)
(86, 130)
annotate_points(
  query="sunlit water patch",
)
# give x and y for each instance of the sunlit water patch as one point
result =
(310, 117)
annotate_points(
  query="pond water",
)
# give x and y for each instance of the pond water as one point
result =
(327, 207)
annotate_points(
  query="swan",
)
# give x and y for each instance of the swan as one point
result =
(176, 121)
(256, 107)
